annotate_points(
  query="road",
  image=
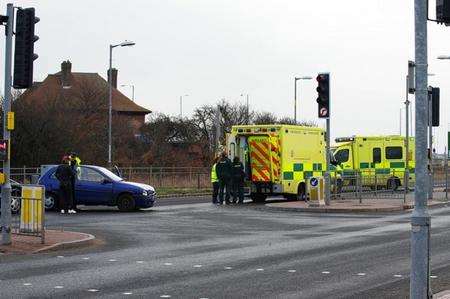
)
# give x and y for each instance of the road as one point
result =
(202, 251)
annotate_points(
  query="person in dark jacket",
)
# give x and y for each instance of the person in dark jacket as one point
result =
(223, 169)
(65, 175)
(237, 180)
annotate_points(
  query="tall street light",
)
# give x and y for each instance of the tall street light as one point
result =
(181, 104)
(132, 89)
(111, 47)
(295, 94)
(247, 112)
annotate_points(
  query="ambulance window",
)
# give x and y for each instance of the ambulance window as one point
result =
(377, 155)
(341, 156)
(394, 152)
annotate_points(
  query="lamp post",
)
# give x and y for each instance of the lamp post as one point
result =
(295, 94)
(132, 89)
(247, 112)
(111, 47)
(181, 104)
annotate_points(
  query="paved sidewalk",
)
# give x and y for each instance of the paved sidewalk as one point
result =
(353, 206)
(54, 239)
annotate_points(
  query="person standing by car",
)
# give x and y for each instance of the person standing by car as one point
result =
(237, 180)
(75, 163)
(214, 181)
(65, 174)
(223, 169)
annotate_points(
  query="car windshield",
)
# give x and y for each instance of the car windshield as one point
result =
(109, 174)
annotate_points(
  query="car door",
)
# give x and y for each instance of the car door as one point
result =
(91, 187)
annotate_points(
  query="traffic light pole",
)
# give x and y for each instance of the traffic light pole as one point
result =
(406, 178)
(430, 146)
(6, 188)
(327, 173)
(420, 220)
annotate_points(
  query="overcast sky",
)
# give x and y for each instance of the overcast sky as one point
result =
(213, 49)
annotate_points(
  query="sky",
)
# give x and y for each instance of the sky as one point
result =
(220, 49)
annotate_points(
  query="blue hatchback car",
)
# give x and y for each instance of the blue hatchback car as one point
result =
(98, 186)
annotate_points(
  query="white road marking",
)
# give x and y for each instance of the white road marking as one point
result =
(112, 260)
(60, 256)
(398, 275)
(165, 296)
(168, 264)
(139, 262)
(325, 272)
(85, 258)
(203, 298)
(127, 293)
(228, 268)
(292, 271)
(27, 284)
(58, 287)
(92, 290)
(361, 274)
(197, 266)
(260, 269)
(433, 276)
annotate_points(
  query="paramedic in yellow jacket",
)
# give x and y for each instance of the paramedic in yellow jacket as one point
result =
(75, 163)
(214, 182)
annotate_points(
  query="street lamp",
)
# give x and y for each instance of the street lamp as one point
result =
(181, 104)
(111, 47)
(247, 112)
(295, 94)
(132, 89)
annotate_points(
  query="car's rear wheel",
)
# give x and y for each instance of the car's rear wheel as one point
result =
(51, 202)
(15, 205)
(126, 203)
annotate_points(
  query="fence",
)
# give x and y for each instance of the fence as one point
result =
(30, 221)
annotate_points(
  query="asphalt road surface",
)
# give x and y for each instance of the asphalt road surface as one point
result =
(199, 250)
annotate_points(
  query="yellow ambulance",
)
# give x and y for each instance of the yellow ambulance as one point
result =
(381, 160)
(278, 159)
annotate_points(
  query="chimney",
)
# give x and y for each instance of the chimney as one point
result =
(114, 77)
(66, 70)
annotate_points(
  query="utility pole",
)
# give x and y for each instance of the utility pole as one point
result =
(295, 99)
(420, 220)
(6, 188)
(430, 145)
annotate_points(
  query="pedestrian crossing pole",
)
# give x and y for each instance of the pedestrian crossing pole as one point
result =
(6, 187)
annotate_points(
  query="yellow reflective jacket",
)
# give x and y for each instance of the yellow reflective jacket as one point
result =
(214, 178)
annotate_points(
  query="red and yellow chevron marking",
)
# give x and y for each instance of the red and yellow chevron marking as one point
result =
(275, 157)
(260, 160)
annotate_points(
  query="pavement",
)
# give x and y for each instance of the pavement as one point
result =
(198, 250)
(367, 204)
(54, 240)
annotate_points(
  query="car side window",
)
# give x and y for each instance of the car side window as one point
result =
(90, 175)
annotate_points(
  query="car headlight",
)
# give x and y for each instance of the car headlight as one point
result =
(144, 193)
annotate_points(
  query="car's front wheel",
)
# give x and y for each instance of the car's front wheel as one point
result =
(126, 203)
(51, 202)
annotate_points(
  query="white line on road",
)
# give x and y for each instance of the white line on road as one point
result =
(361, 274)
(197, 266)
(398, 275)
(165, 296)
(260, 269)
(433, 276)
(58, 287)
(292, 271)
(112, 260)
(325, 272)
(228, 268)
(127, 293)
(85, 258)
(60, 256)
(92, 290)
(168, 264)
(27, 284)
(139, 262)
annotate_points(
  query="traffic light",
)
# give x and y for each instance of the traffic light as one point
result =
(323, 91)
(435, 94)
(4, 150)
(24, 48)
(443, 11)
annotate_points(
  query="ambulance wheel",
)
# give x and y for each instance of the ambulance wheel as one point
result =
(392, 184)
(301, 192)
(258, 198)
